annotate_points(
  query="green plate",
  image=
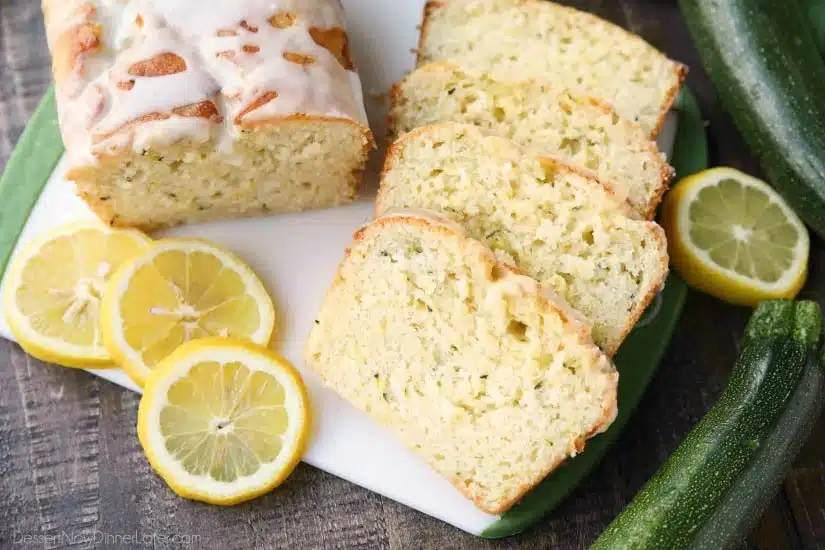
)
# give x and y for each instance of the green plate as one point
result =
(637, 359)
(27, 172)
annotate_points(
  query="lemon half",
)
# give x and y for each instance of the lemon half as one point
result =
(733, 236)
(54, 288)
(223, 421)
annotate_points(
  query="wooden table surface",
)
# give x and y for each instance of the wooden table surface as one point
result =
(72, 471)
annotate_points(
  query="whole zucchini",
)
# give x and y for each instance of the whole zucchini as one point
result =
(765, 66)
(695, 485)
(753, 491)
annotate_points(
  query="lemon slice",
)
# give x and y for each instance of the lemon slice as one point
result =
(732, 236)
(181, 290)
(223, 421)
(54, 286)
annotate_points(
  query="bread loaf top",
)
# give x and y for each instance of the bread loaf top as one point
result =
(147, 73)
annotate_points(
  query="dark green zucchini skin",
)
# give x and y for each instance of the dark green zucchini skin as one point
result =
(694, 483)
(815, 10)
(747, 500)
(764, 63)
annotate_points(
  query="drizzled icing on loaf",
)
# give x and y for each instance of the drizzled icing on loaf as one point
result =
(133, 74)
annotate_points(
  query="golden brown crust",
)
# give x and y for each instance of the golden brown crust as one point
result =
(393, 151)
(609, 403)
(162, 64)
(256, 103)
(681, 74)
(72, 46)
(666, 172)
(247, 27)
(336, 41)
(142, 119)
(657, 287)
(522, 490)
(429, 8)
(299, 58)
(393, 94)
(203, 109)
(283, 20)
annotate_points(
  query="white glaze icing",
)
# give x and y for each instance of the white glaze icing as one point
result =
(233, 58)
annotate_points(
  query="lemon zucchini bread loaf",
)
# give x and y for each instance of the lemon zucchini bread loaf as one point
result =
(522, 39)
(471, 365)
(579, 130)
(173, 112)
(559, 226)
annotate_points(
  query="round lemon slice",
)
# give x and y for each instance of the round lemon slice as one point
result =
(223, 421)
(54, 286)
(732, 236)
(181, 290)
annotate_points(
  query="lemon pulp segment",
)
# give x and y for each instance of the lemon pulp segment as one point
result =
(227, 433)
(741, 229)
(55, 287)
(180, 291)
(223, 421)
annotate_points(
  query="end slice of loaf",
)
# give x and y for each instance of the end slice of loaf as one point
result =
(557, 225)
(173, 112)
(469, 363)
(520, 39)
(580, 130)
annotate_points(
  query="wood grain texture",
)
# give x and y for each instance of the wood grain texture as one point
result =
(71, 468)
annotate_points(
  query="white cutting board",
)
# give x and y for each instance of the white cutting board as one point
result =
(296, 256)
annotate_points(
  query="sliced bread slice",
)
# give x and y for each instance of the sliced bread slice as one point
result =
(559, 226)
(470, 364)
(580, 130)
(521, 39)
